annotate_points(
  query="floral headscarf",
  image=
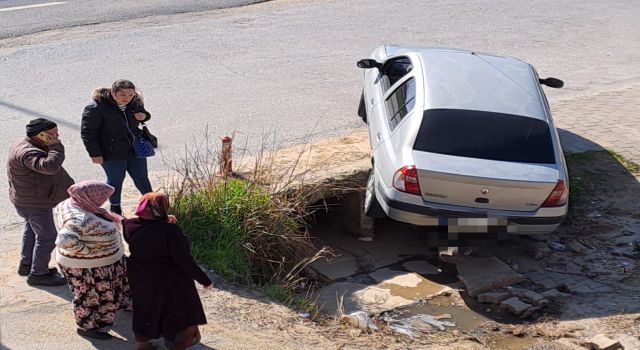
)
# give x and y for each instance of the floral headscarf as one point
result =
(153, 206)
(90, 195)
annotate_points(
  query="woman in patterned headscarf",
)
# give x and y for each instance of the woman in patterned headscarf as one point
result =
(161, 272)
(91, 256)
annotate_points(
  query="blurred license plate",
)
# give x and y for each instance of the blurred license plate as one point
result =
(477, 222)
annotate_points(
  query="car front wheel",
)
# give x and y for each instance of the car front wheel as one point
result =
(370, 205)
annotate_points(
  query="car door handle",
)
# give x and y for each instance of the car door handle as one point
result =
(372, 101)
(378, 136)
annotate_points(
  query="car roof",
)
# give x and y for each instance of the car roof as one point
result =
(462, 79)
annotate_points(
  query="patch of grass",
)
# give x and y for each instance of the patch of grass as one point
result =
(277, 293)
(577, 183)
(250, 228)
(632, 167)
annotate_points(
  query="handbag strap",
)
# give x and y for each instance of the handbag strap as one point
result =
(126, 124)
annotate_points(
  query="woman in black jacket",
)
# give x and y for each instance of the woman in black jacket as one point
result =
(108, 128)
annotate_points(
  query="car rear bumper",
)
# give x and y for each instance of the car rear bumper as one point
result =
(462, 221)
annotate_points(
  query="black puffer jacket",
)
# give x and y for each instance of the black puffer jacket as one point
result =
(104, 131)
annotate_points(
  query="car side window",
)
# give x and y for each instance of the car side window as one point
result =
(400, 102)
(393, 70)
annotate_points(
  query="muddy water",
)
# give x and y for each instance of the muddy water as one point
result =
(464, 318)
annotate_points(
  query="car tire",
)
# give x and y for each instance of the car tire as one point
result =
(362, 109)
(370, 205)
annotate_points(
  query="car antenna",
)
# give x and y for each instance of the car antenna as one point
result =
(503, 73)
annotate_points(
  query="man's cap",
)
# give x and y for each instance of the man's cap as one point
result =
(39, 125)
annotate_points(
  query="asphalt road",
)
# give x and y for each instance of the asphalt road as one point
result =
(287, 67)
(23, 17)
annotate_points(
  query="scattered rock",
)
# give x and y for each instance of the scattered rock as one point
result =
(601, 342)
(515, 267)
(554, 293)
(533, 297)
(543, 303)
(493, 297)
(540, 251)
(557, 246)
(569, 268)
(530, 311)
(551, 284)
(515, 305)
(578, 248)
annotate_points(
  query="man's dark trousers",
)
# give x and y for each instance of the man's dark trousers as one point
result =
(38, 238)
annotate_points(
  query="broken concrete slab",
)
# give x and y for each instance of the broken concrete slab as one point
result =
(401, 278)
(341, 266)
(485, 274)
(602, 342)
(493, 297)
(515, 305)
(359, 297)
(408, 285)
(422, 267)
(554, 293)
(533, 297)
(375, 300)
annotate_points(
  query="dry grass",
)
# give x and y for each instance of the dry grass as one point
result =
(252, 226)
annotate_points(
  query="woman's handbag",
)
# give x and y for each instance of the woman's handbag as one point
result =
(142, 146)
(149, 136)
(143, 141)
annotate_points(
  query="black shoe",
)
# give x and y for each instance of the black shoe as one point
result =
(24, 270)
(116, 209)
(92, 333)
(52, 279)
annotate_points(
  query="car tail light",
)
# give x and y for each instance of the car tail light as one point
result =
(558, 196)
(406, 180)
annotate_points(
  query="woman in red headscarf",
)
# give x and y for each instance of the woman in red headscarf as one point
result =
(161, 273)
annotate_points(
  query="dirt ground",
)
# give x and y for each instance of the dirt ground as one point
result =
(593, 257)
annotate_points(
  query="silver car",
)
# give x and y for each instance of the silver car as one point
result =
(461, 139)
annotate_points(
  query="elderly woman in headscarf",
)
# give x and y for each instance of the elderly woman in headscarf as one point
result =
(90, 253)
(162, 271)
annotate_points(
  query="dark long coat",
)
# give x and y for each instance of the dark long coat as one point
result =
(161, 272)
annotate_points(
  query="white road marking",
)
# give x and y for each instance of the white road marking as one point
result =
(7, 9)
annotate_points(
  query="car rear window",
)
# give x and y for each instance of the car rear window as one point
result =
(485, 135)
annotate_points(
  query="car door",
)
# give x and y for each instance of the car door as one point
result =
(399, 102)
(391, 72)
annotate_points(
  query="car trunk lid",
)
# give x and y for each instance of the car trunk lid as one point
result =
(481, 183)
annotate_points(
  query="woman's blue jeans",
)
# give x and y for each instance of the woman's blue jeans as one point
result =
(116, 171)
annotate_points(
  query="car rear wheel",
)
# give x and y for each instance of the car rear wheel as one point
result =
(370, 205)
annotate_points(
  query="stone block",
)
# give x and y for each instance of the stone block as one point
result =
(554, 293)
(601, 342)
(533, 296)
(481, 275)
(515, 305)
(493, 297)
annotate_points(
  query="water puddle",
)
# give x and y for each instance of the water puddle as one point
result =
(464, 318)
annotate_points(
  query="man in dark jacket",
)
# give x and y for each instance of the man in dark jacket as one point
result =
(37, 183)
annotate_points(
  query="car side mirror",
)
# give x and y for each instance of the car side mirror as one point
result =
(552, 82)
(369, 63)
